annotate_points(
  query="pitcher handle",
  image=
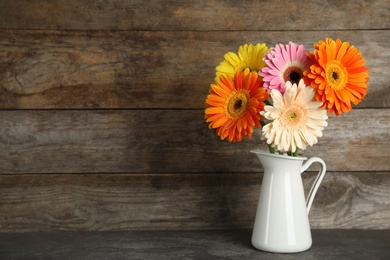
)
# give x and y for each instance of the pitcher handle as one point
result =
(317, 182)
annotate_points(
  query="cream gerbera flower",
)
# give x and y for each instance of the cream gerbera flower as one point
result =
(249, 56)
(297, 119)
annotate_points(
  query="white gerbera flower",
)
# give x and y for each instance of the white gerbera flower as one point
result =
(297, 119)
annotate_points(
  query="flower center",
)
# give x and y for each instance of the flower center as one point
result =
(336, 75)
(236, 104)
(293, 117)
(293, 74)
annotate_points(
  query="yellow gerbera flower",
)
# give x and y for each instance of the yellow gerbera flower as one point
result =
(297, 119)
(338, 74)
(249, 56)
(234, 105)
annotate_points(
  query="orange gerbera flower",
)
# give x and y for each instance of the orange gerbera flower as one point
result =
(338, 75)
(234, 105)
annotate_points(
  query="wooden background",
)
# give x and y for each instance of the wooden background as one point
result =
(101, 114)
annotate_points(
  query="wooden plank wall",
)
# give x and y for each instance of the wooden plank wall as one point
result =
(101, 120)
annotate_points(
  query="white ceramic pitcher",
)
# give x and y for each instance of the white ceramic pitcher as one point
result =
(282, 223)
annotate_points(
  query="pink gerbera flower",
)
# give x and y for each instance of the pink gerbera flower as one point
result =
(284, 63)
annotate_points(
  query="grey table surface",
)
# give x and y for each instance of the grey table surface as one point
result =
(176, 244)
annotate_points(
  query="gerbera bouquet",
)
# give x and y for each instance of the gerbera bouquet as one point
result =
(286, 90)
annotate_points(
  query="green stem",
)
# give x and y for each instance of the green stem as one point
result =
(296, 153)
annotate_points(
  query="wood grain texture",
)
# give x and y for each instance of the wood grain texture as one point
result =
(102, 202)
(143, 141)
(195, 15)
(233, 244)
(72, 69)
(101, 114)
